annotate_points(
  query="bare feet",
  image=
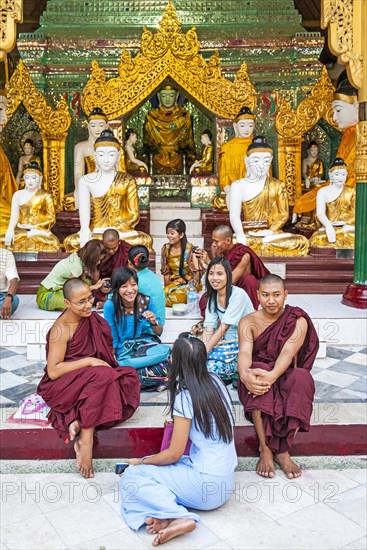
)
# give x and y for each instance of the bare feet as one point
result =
(154, 525)
(74, 429)
(175, 528)
(83, 450)
(265, 467)
(290, 469)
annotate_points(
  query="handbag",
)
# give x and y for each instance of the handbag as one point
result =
(167, 437)
(226, 352)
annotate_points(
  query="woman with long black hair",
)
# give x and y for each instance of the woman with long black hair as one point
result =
(168, 483)
(180, 266)
(226, 306)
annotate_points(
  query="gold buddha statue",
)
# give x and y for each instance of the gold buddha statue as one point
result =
(264, 202)
(335, 210)
(168, 130)
(205, 164)
(27, 157)
(113, 196)
(231, 166)
(312, 166)
(133, 164)
(345, 114)
(84, 162)
(32, 216)
(8, 184)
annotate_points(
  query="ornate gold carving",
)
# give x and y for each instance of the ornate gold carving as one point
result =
(292, 124)
(53, 125)
(169, 53)
(345, 36)
(11, 13)
(360, 164)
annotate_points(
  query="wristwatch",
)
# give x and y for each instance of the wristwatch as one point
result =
(8, 295)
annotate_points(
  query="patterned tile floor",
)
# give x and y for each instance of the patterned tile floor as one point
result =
(340, 377)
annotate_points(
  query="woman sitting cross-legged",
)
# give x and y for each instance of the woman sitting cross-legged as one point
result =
(135, 324)
(226, 306)
(168, 483)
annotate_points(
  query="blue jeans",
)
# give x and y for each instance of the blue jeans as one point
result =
(14, 302)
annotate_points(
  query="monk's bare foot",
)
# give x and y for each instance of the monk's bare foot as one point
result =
(290, 469)
(265, 467)
(74, 429)
(154, 525)
(175, 528)
(83, 451)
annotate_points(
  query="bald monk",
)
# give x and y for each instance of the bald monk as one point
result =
(116, 256)
(83, 384)
(247, 268)
(277, 347)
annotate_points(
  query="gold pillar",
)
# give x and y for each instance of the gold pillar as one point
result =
(289, 155)
(54, 167)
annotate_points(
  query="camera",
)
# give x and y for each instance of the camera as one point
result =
(107, 283)
(120, 467)
(196, 250)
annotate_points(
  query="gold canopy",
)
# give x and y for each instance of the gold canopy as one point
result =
(169, 53)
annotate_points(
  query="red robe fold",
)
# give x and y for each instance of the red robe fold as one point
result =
(287, 406)
(249, 282)
(99, 396)
(119, 259)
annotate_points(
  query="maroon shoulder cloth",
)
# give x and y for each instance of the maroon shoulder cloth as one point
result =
(119, 259)
(99, 396)
(287, 406)
(249, 283)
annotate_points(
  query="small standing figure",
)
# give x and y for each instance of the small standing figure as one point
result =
(205, 165)
(28, 156)
(133, 164)
(312, 166)
(32, 216)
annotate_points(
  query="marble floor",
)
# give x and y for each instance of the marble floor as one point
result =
(324, 509)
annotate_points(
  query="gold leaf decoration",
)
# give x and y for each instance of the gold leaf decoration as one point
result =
(11, 13)
(168, 53)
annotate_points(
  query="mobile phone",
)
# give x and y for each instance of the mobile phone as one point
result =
(120, 467)
(196, 250)
(107, 283)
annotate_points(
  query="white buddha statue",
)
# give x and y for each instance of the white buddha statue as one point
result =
(335, 210)
(32, 216)
(264, 202)
(114, 197)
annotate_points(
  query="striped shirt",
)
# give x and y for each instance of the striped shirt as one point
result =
(8, 269)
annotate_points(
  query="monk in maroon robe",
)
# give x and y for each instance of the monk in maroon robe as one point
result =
(247, 268)
(277, 348)
(116, 257)
(84, 386)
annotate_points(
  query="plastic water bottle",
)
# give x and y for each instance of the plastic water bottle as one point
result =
(192, 300)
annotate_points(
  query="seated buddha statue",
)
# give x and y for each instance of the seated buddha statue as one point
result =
(8, 185)
(27, 157)
(264, 202)
(84, 162)
(168, 131)
(113, 196)
(133, 164)
(312, 166)
(205, 164)
(231, 166)
(345, 113)
(32, 216)
(335, 210)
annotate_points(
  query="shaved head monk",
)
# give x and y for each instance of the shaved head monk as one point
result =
(116, 257)
(277, 347)
(246, 266)
(83, 384)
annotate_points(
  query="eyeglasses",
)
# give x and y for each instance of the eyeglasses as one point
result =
(83, 302)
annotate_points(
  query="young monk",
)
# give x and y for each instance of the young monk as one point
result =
(83, 384)
(277, 348)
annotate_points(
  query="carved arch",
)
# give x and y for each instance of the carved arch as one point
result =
(169, 53)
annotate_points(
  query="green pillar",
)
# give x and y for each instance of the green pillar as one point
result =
(356, 293)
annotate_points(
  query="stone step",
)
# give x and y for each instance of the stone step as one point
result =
(168, 213)
(158, 227)
(156, 205)
(159, 241)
